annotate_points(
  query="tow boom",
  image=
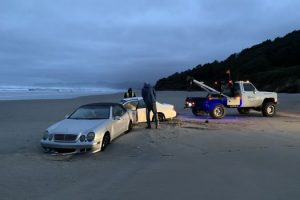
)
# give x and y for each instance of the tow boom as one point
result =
(206, 87)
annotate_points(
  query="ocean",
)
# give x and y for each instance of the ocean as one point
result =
(33, 92)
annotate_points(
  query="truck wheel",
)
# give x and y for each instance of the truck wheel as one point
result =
(196, 112)
(243, 110)
(269, 109)
(218, 112)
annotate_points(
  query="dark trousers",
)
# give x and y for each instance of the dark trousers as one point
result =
(149, 108)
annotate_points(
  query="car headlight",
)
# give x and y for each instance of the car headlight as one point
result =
(82, 138)
(46, 135)
(90, 136)
(51, 136)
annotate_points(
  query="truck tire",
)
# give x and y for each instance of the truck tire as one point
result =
(243, 110)
(196, 112)
(269, 109)
(217, 112)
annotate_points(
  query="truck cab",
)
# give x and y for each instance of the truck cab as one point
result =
(251, 97)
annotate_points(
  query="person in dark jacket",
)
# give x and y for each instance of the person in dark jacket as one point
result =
(129, 93)
(149, 96)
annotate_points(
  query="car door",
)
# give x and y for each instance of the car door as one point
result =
(141, 111)
(120, 120)
(249, 95)
(132, 106)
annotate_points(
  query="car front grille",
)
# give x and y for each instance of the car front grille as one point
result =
(65, 137)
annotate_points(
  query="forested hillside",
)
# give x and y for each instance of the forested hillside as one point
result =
(271, 65)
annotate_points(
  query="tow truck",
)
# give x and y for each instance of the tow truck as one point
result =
(239, 94)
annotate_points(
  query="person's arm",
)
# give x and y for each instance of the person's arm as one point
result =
(154, 93)
(143, 93)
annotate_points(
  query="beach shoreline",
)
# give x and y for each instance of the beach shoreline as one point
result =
(35, 93)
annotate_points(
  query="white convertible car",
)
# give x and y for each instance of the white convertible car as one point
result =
(137, 107)
(89, 128)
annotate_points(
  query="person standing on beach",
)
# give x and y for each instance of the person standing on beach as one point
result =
(129, 93)
(149, 96)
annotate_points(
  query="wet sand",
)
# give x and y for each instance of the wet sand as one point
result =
(239, 157)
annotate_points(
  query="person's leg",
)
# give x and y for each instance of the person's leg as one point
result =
(154, 110)
(148, 117)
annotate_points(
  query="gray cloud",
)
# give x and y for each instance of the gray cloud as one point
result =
(69, 41)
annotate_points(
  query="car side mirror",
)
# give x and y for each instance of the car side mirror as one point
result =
(254, 91)
(117, 118)
(67, 116)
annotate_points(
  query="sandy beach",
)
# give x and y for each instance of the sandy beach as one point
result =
(237, 158)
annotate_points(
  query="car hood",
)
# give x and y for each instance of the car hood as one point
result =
(76, 126)
(165, 105)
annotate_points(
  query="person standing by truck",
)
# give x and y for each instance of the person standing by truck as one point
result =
(129, 93)
(149, 96)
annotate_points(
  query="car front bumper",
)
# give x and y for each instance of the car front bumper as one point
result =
(76, 146)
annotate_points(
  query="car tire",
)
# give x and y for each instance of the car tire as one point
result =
(130, 126)
(243, 110)
(196, 112)
(105, 141)
(217, 112)
(269, 109)
(161, 117)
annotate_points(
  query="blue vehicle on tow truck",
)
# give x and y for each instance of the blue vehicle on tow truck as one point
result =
(240, 94)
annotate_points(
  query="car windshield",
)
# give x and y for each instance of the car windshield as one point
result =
(91, 112)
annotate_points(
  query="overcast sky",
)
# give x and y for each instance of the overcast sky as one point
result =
(52, 41)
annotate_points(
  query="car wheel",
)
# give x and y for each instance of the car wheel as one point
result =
(243, 110)
(269, 109)
(105, 141)
(130, 126)
(217, 112)
(160, 117)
